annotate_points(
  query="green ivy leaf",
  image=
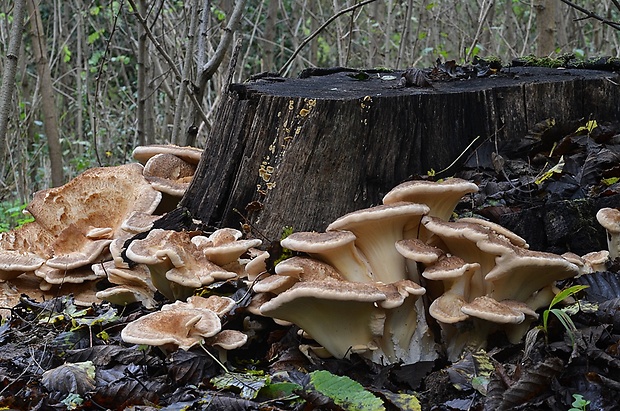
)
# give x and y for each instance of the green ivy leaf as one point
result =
(345, 392)
(249, 385)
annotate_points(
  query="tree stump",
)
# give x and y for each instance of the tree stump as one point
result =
(302, 152)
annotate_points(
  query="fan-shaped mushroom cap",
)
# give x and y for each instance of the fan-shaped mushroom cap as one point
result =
(190, 154)
(99, 197)
(218, 304)
(127, 294)
(228, 339)
(339, 315)
(169, 174)
(86, 212)
(73, 249)
(60, 276)
(336, 248)
(377, 230)
(177, 266)
(180, 327)
(461, 240)
(487, 308)
(227, 253)
(257, 265)
(512, 237)
(456, 275)
(609, 218)
(441, 196)
(308, 269)
(519, 272)
(596, 260)
(24, 250)
(417, 250)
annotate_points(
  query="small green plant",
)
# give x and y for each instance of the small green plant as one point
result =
(564, 318)
(12, 216)
(580, 403)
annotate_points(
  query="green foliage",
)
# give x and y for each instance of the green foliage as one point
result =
(564, 318)
(345, 392)
(580, 404)
(12, 215)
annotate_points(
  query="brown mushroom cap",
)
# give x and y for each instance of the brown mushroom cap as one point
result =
(377, 230)
(227, 339)
(23, 250)
(417, 250)
(99, 197)
(487, 308)
(336, 248)
(512, 237)
(308, 269)
(61, 276)
(190, 154)
(183, 327)
(441, 197)
(169, 174)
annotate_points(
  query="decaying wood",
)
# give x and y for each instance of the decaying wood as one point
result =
(302, 152)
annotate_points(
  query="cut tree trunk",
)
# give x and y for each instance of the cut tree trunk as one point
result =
(302, 152)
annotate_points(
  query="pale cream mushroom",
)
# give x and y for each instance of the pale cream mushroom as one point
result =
(341, 316)
(336, 248)
(609, 218)
(377, 230)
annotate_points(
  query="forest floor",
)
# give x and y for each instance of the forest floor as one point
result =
(54, 355)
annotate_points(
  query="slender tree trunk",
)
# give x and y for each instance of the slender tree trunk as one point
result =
(187, 70)
(48, 106)
(143, 68)
(208, 69)
(546, 28)
(8, 76)
(269, 35)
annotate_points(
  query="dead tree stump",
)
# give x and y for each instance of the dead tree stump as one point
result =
(302, 152)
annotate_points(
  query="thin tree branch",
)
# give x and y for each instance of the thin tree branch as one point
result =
(591, 14)
(168, 59)
(207, 71)
(10, 70)
(317, 31)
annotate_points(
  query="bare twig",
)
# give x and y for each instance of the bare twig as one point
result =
(591, 14)
(317, 31)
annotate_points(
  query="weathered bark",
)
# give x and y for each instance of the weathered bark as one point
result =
(8, 76)
(546, 27)
(48, 105)
(302, 152)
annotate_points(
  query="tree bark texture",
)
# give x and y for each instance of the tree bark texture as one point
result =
(46, 88)
(10, 70)
(302, 152)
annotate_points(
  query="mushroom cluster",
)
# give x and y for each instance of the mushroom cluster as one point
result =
(78, 226)
(358, 285)
(185, 324)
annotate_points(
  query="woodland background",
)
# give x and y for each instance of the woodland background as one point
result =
(84, 82)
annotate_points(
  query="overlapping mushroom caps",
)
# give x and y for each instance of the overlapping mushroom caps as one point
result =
(185, 324)
(476, 273)
(75, 224)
